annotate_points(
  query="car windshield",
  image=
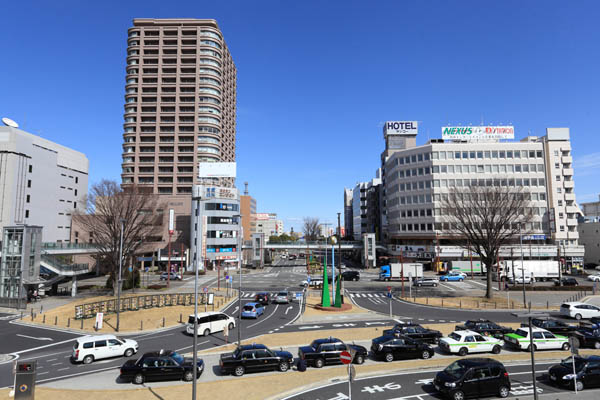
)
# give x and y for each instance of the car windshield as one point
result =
(314, 344)
(236, 353)
(454, 336)
(456, 369)
(381, 339)
(248, 308)
(282, 294)
(177, 357)
(568, 363)
(521, 332)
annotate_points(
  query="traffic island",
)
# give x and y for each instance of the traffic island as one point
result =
(344, 308)
(474, 303)
(314, 308)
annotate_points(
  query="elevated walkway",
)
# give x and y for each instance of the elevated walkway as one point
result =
(52, 264)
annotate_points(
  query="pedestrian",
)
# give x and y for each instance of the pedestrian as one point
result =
(505, 285)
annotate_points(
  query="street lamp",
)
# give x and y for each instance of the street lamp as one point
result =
(522, 266)
(122, 221)
(239, 251)
(197, 262)
(531, 345)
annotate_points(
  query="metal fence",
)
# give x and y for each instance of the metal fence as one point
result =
(89, 310)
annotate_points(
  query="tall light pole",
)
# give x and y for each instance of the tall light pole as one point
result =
(340, 257)
(522, 266)
(197, 265)
(529, 316)
(122, 221)
(239, 318)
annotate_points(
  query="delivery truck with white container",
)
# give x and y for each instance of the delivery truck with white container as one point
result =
(400, 271)
(538, 270)
(465, 266)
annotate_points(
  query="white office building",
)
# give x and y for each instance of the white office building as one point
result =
(43, 182)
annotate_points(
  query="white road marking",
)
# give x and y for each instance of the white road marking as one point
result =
(52, 359)
(266, 318)
(43, 347)
(197, 344)
(36, 338)
(288, 309)
(153, 337)
(56, 364)
(310, 327)
(447, 287)
(484, 285)
(42, 373)
(63, 369)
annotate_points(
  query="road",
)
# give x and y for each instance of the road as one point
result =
(417, 386)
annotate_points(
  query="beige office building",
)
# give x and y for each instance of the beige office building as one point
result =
(180, 110)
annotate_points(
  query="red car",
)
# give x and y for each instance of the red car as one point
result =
(262, 298)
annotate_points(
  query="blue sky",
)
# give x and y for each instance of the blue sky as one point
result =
(316, 80)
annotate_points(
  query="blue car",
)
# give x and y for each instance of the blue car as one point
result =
(453, 277)
(252, 310)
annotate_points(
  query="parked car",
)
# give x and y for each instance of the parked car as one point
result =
(594, 278)
(314, 282)
(254, 358)
(393, 347)
(555, 326)
(453, 276)
(91, 348)
(542, 339)
(586, 368)
(283, 297)
(464, 342)
(252, 310)
(210, 322)
(415, 331)
(566, 282)
(519, 280)
(579, 310)
(426, 282)
(473, 377)
(174, 276)
(262, 298)
(160, 365)
(292, 257)
(485, 327)
(351, 275)
(588, 335)
(327, 351)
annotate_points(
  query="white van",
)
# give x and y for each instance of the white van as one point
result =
(90, 348)
(210, 322)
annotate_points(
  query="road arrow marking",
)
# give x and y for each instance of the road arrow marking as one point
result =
(374, 323)
(36, 338)
(311, 327)
(288, 309)
(424, 382)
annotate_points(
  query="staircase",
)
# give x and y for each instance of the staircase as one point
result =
(52, 264)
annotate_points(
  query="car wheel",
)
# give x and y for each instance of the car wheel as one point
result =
(206, 332)
(355, 279)
(128, 353)
(138, 379)
(529, 348)
(88, 359)
(239, 370)
(284, 366)
(435, 285)
(580, 385)
(461, 279)
(389, 357)
(230, 326)
(463, 351)
(359, 359)
(597, 345)
(496, 349)
(566, 346)
(319, 362)
(577, 317)
(418, 284)
(188, 376)
(425, 355)
(458, 395)
(503, 392)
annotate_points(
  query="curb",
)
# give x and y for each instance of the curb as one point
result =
(7, 358)
(467, 309)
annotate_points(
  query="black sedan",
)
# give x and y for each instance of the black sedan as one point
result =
(555, 326)
(587, 369)
(160, 365)
(394, 347)
(415, 332)
(351, 275)
(588, 335)
(485, 327)
(566, 282)
(255, 358)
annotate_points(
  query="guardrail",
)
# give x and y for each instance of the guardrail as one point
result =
(65, 268)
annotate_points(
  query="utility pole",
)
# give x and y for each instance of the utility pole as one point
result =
(471, 258)
(340, 257)
(119, 280)
(197, 265)
(522, 266)
(171, 228)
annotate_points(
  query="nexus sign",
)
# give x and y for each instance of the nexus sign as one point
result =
(400, 128)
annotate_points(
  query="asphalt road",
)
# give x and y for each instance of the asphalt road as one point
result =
(417, 386)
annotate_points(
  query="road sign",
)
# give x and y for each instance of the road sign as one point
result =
(308, 279)
(345, 357)
(205, 289)
(574, 342)
(299, 296)
(145, 258)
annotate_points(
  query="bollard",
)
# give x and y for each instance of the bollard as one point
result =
(442, 302)
(427, 300)
(32, 314)
(42, 309)
(477, 304)
(495, 305)
(21, 314)
(180, 320)
(56, 320)
(512, 305)
(69, 322)
(460, 303)
(81, 323)
(530, 306)
(547, 304)
(163, 322)
(141, 325)
(44, 319)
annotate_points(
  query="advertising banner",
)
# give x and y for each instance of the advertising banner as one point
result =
(400, 128)
(478, 132)
(217, 170)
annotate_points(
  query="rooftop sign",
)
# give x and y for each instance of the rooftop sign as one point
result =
(401, 128)
(477, 132)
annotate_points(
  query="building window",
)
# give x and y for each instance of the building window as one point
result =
(29, 183)
(28, 198)
(30, 168)
(557, 178)
(26, 213)
(75, 204)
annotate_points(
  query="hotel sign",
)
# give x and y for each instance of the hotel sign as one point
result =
(401, 128)
(478, 132)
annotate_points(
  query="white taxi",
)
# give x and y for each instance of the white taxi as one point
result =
(465, 342)
(542, 339)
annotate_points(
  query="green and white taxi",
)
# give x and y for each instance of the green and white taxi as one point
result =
(542, 339)
(465, 342)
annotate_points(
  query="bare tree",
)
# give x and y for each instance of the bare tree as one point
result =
(311, 228)
(487, 218)
(107, 205)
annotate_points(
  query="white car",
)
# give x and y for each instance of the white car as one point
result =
(579, 310)
(519, 280)
(594, 278)
(465, 342)
(210, 322)
(90, 348)
(542, 339)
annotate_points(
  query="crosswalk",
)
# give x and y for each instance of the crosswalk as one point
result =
(250, 295)
(368, 295)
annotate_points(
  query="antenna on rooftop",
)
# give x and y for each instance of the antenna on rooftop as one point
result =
(245, 188)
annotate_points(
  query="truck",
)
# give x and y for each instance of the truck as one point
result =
(394, 271)
(465, 266)
(539, 270)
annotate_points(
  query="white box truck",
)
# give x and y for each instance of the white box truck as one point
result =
(394, 271)
(465, 266)
(540, 270)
